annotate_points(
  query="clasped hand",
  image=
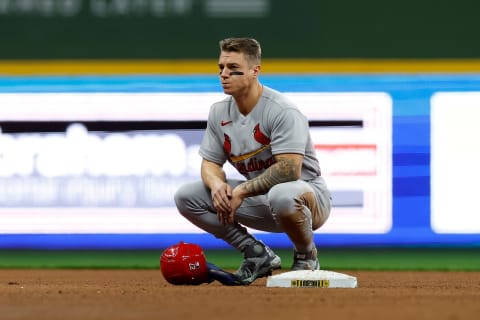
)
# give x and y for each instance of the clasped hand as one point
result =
(226, 202)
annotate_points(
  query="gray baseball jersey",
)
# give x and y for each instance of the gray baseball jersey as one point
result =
(274, 126)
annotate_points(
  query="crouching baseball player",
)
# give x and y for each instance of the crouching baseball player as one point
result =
(266, 138)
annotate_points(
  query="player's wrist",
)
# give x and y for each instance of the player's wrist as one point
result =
(240, 192)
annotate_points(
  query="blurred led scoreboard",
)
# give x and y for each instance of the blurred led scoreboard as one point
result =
(94, 162)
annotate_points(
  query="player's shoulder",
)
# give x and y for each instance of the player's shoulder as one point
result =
(221, 107)
(222, 104)
(277, 100)
(220, 111)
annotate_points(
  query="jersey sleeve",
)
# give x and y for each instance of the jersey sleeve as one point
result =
(211, 148)
(290, 132)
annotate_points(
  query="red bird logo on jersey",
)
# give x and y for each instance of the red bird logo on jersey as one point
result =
(259, 136)
(227, 144)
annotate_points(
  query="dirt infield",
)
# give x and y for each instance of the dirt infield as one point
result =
(143, 294)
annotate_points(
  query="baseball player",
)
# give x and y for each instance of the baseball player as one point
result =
(266, 138)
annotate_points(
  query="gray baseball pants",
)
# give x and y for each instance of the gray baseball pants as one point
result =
(295, 208)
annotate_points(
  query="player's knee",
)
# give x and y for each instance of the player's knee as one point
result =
(281, 202)
(181, 198)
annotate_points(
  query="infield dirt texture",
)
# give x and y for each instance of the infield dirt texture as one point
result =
(144, 294)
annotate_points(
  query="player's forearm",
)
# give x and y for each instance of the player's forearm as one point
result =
(286, 168)
(212, 173)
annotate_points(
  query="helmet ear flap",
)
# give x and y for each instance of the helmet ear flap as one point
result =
(184, 264)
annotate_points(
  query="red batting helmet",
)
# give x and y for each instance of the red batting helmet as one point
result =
(184, 263)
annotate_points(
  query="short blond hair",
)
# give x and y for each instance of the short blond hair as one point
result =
(248, 46)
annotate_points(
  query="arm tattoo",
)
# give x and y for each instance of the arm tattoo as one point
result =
(284, 170)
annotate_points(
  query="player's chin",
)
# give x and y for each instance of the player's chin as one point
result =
(227, 89)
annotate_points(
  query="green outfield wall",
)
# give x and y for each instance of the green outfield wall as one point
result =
(190, 29)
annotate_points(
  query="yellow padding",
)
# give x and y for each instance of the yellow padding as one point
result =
(116, 67)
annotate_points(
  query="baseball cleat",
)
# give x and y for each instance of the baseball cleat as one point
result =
(305, 261)
(259, 262)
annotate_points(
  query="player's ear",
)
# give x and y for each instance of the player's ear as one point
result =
(256, 70)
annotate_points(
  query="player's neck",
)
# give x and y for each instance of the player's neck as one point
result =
(246, 102)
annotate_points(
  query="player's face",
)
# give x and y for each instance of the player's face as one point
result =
(236, 74)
